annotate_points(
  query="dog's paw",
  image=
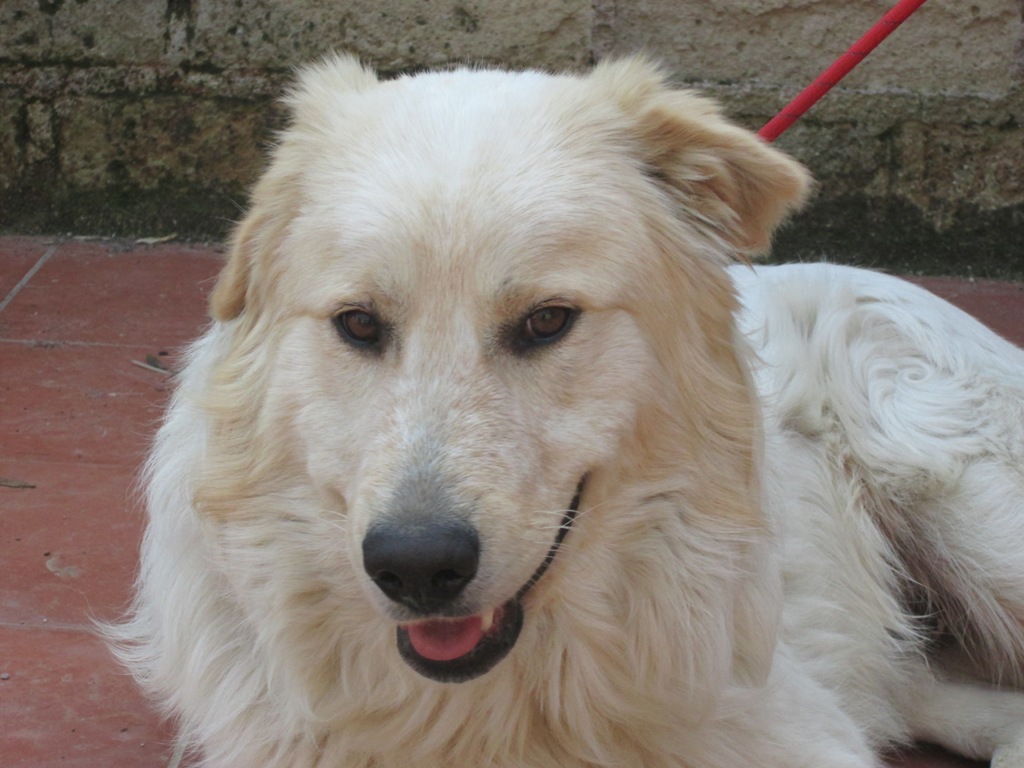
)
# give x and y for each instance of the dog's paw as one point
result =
(1009, 755)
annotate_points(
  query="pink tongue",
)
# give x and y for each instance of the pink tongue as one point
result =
(445, 639)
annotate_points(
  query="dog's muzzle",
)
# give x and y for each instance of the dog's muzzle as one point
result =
(457, 649)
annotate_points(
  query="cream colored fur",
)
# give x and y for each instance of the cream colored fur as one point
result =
(801, 537)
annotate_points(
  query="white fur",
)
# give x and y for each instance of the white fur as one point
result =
(801, 538)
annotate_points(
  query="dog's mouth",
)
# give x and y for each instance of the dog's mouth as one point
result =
(454, 650)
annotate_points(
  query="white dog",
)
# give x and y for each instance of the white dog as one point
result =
(490, 459)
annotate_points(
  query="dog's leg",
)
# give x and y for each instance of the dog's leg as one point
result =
(1009, 755)
(795, 722)
(971, 719)
(969, 549)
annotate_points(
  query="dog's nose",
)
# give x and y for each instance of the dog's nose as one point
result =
(422, 566)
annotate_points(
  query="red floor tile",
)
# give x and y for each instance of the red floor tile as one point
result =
(65, 703)
(997, 304)
(69, 543)
(89, 292)
(72, 403)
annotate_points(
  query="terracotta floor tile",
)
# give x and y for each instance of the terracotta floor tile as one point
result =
(92, 292)
(77, 403)
(66, 703)
(69, 544)
(997, 304)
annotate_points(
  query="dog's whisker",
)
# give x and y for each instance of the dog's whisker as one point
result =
(333, 523)
(561, 514)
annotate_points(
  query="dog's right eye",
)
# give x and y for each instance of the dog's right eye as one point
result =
(359, 328)
(543, 326)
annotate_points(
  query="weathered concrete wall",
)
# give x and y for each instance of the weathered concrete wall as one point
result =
(151, 116)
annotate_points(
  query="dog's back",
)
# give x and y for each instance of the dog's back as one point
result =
(895, 430)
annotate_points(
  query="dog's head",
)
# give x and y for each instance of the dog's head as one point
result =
(465, 309)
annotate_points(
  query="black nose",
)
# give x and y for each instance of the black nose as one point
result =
(422, 566)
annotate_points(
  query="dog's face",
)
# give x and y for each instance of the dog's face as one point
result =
(450, 306)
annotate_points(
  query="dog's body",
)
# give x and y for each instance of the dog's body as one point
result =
(481, 381)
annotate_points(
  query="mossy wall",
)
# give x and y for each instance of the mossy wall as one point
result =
(152, 116)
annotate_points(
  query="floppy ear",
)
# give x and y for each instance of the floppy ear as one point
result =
(230, 293)
(257, 236)
(722, 175)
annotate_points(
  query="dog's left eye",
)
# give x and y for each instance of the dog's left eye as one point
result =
(546, 325)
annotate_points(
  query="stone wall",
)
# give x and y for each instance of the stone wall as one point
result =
(151, 117)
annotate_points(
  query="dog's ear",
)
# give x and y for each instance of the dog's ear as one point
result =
(722, 175)
(311, 103)
(230, 293)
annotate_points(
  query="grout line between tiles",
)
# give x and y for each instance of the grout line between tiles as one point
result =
(61, 626)
(105, 344)
(28, 276)
(31, 461)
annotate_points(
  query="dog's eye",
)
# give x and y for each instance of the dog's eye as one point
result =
(359, 327)
(546, 325)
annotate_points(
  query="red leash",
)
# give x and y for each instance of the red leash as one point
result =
(839, 69)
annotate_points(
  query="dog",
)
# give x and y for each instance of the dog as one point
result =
(500, 452)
